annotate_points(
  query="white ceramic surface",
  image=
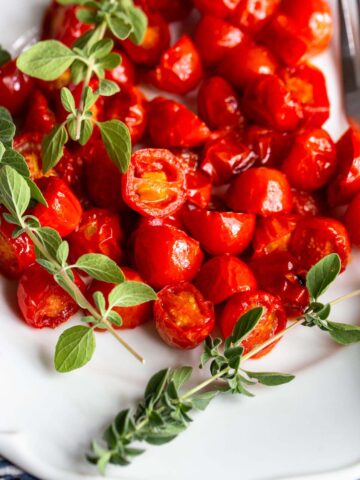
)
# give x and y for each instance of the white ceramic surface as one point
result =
(309, 427)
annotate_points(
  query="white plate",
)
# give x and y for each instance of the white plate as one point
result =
(309, 426)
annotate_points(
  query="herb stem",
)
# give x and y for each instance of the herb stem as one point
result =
(204, 384)
(345, 297)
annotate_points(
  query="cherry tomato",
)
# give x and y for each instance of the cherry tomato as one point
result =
(64, 210)
(71, 170)
(16, 254)
(351, 219)
(314, 238)
(263, 191)
(171, 10)
(174, 220)
(269, 147)
(29, 146)
(252, 15)
(199, 188)
(215, 37)
(51, 89)
(218, 8)
(132, 317)
(272, 321)
(308, 204)
(272, 234)
(312, 160)
(124, 74)
(154, 184)
(165, 255)
(43, 303)
(39, 117)
(172, 125)
(222, 276)
(15, 87)
(268, 102)
(129, 106)
(180, 68)
(156, 41)
(219, 104)
(183, 318)
(220, 232)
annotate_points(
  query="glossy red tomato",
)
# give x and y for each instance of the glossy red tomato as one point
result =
(272, 234)
(312, 160)
(174, 220)
(269, 147)
(222, 276)
(173, 125)
(40, 118)
(263, 191)
(183, 318)
(252, 15)
(165, 255)
(132, 317)
(124, 74)
(314, 238)
(64, 210)
(171, 10)
(15, 87)
(71, 170)
(352, 220)
(199, 188)
(29, 146)
(308, 204)
(218, 8)
(154, 184)
(42, 302)
(220, 232)
(272, 321)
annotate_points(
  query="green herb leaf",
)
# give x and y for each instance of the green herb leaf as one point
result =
(116, 138)
(107, 88)
(321, 275)
(7, 131)
(5, 56)
(49, 266)
(181, 375)
(115, 318)
(52, 148)
(100, 301)
(68, 100)
(119, 25)
(62, 253)
(50, 239)
(130, 294)
(271, 379)
(109, 62)
(200, 401)
(16, 161)
(102, 48)
(71, 289)
(89, 98)
(87, 128)
(71, 2)
(344, 333)
(74, 349)
(36, 193)
(157, 383)
(139, 24)
(246, 324)
(88, 17)
(100, 267)
(14, 191)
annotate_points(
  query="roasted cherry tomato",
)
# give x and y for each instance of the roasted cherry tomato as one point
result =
(156, 41)
(165, 255)
(183, 317)
(129, 106)
(132, 317)
(263, 191)
(63, 212)
(269, 147)
(312, 161)
(29, 146)
(40, 118)
(268, 102)
(198, 188)
(174, 220)
(43, 303)
(15, 87)
(215, 37)
(222, 276)
(98, 232)
(219, 104)
(171, 10)
(220, 232)
(314, 238)
(71, 170)
(173, 125)
(308, 204)
(154, 184)
(252, 15)
(124, 74)
(16, 254)
(272, 321)
(218, 8)
(352, 220)
(272, 234)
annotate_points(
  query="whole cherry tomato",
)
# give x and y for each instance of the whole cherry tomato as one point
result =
(29, 146)
(222, 276)
(40, 117)
(98, 232)
(272, 321)
(351, 219)
(173, 125)
(272, 234)
(71, 170)
(252, 15)
(316, 237)
(124, 74)
(171, 10)
(63, 212)
(180, 68)
(215, 37)
(15, 87)
(129, 106)
(308, 204)
(263, 191)
(220, 232)
(312, 160)
(154, 184)
(165, 255)
(16, 254)
(132, 317)
(219, 104)
(218, 8)
(156, 41)
(174, 220)
(42, 302)
(183, 318)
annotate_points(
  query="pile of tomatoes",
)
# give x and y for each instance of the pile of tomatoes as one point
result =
(222, 209)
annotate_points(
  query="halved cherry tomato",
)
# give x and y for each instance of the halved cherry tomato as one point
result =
(272, 234)
(222, 276)
(268, 146)
(272, 321)
(263, 191)
(40, 118)
(312, 160)
(220, 232)
(314, 238)
(183, 318)
(15, 87)
(171, 10)
(218, 8)
(165, 255)
(252, 15)
(29, 146)
(352, 220)
(308, 204)
(124, 74)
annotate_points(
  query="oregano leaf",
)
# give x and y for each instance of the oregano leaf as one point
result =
(271, 379)
(14, 191)
(130, 294)
(322, 275)
(119, 25)
(117, 141)
(139, 24)
(16, 161)
(344, 333)
(181, 375)
(52, 148)
(67, 100)
(100, 267)
(200, 401)
(74, 349)
(107, 88)
(246, 324)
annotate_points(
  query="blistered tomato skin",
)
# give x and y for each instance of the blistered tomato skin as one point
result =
(183, 318)
(261, 191)
(218, 8)
(268, 146)
(252, 15)
(98, 232)
(39, 118)
(272, 321)
(220, 232)
(352, 221)
(314, 238)
(154, 184)
(124, 74)
(312, 160)
(71, 170)
(42, 302)
(223, 276)
(273, 234)
(165, 255)
(132, 317)
(15, 87)
(64, 210)
(199, 188)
